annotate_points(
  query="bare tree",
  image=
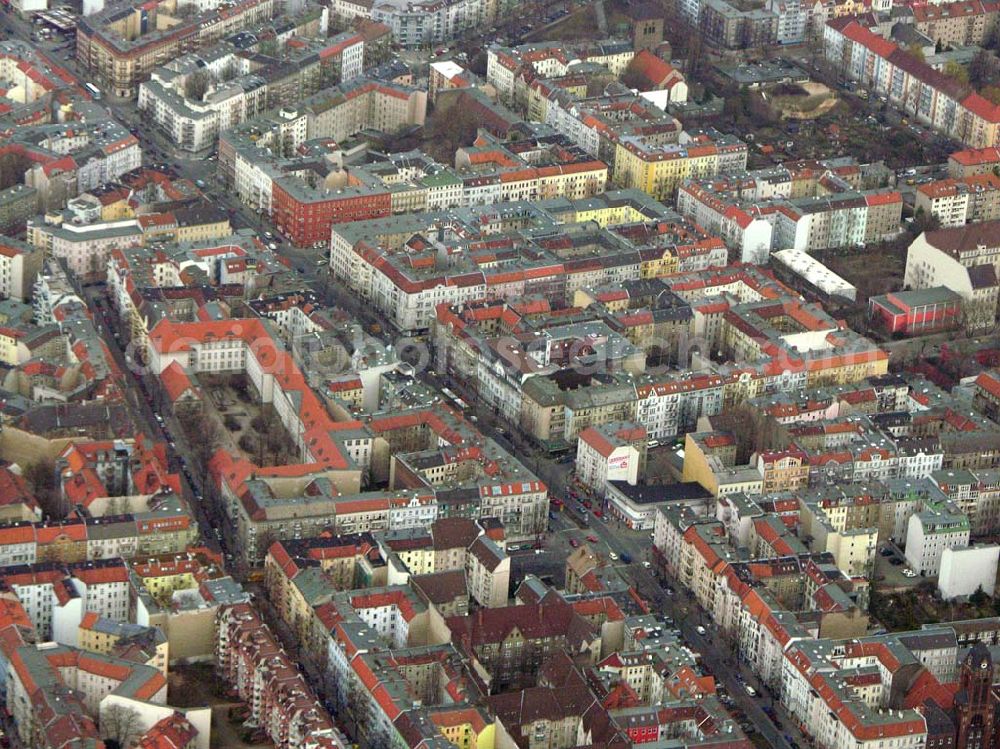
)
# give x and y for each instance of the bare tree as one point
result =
(450, 129)
(58, 193)
(264, 541)
(229, 72)
(696, 53)
(41, 476)
(203, 435)
(13, 165)
(120, 726)
(117, 506)
(186, 11)
(754, 431)
(632, 77)
(196, 85)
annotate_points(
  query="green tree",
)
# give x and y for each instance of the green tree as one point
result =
(991, 93)
(923, 221)
(956, 71)
(978, 598)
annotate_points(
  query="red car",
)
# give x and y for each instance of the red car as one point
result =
(592, 538)
(574, 543)
(556, 502)
(598, 514)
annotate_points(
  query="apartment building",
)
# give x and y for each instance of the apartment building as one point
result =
(960, 23)
(931, 97)
(18, 203)
(112, 477)
(741, 26)
(973, 162)
(53, 686)
(252, 157)
(976, 493)
(801, 206)
(510, 644)
(415, 24)
(930, 532)
(844, 523)
(122, 44)
(956, 202)
(98, 634)
(252, 662)
(194, 125)
(20, 264)
(963, 259)
(511, 70)
(611, 451)
(167, 528)
(334, 455)
(665, 404)
(408, 293)
(660, 170)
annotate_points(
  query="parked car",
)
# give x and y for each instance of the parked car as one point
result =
(701, 630)
(574, 543)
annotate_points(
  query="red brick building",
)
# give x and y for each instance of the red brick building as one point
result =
(305, 214)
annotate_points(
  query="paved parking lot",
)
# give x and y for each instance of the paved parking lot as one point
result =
(890, 576)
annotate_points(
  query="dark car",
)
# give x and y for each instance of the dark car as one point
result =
(895, 561)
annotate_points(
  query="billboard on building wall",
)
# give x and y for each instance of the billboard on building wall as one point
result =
(619, 463)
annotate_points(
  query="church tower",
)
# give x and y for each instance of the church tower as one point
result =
(974, 703)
